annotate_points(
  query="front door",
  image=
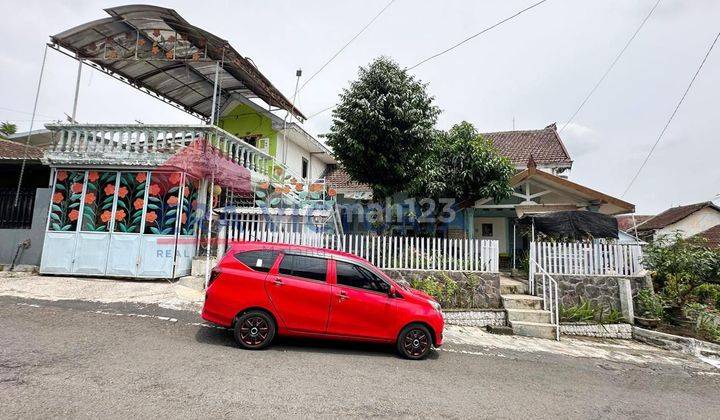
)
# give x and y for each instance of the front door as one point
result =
(361, 305)
(300, 292)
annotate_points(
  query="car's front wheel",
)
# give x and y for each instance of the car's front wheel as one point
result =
(254, 330)
(414, 342)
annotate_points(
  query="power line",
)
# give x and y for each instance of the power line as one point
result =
(652, 149)
(321, 111)
(22, 112)
(617, 58)
(346, 44)
(477, 34)
(452, 47)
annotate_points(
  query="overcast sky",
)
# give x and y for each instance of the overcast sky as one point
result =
(536, 69)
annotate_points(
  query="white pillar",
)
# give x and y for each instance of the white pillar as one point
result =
(626, 300)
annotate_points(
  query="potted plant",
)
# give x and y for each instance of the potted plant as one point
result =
(651, 309)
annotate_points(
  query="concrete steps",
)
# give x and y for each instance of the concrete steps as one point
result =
(533, 329)
(510, 286)
(525, 313)
(522, 302)
(528, 315)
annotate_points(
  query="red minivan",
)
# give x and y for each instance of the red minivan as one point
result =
(265, 289)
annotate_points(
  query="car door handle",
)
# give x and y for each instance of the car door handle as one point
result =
(278, 282)
(343, 296)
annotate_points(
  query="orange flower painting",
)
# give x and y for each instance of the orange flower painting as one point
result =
(151, 217)
(120, 214)
(76, 187)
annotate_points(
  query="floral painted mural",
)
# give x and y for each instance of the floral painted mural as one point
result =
(65, 207)
(162, 205)
(99, 195)
(130, 202)
(189, 205)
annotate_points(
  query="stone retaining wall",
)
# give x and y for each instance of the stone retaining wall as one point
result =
(603, 291)
(623, 331)
(485, 293)
(492, 317)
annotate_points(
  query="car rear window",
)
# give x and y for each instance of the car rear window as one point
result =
(257, 260)
(313, 268)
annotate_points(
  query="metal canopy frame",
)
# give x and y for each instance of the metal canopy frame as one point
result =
(156, 51)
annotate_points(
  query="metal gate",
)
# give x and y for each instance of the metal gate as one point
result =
(121, 224)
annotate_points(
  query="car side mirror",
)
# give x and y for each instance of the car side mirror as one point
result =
(393, 293)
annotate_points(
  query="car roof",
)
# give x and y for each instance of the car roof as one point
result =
(318, 251)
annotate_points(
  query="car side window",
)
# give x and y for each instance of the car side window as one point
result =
(313, 268)
(259, 260)
(354, 275)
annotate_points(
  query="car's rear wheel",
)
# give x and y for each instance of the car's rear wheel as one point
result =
(254, 330)
(414, 342)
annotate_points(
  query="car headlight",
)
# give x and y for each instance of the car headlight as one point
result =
(435, 305)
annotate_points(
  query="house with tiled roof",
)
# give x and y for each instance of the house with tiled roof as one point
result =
(540, 185)
(687, 220)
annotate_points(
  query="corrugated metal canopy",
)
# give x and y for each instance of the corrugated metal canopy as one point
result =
(155, 49)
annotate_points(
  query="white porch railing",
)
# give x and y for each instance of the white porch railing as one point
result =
(392, 252)
(148, 143)
(549, 293)
(589, 259)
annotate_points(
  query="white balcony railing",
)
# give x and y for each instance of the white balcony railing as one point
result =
(147, 145)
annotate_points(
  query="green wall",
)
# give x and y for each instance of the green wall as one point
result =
(244, 121)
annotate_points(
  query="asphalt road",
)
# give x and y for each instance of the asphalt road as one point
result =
(82, 359)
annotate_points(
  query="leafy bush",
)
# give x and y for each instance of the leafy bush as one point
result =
(708, 294)
(449, 292)
(586, 311)
(650, 305)
(680, 265)
(707, 321)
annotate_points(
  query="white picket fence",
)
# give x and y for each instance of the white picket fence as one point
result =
(590, 259)
(395, 252)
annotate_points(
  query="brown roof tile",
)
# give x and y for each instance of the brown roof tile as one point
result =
(673, 215)
(9, 150)
(625, 222)
(712, 236)
(337, 178)
(545, 146)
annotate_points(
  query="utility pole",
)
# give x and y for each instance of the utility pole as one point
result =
(298, 74)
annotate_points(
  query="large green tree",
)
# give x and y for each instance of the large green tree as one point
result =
(382, 128)
(464, 166)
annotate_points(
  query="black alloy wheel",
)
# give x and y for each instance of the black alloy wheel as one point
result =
(414, 342)
(254, 330)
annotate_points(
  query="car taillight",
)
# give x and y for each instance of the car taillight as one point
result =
(213, 275)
